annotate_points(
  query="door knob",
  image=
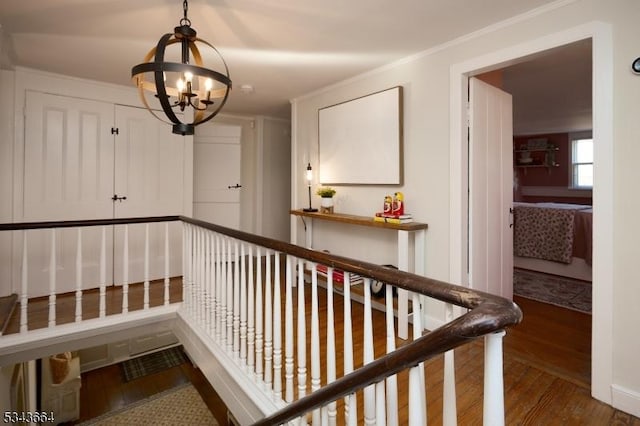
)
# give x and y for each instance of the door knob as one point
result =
(236, 186)
(116, 198)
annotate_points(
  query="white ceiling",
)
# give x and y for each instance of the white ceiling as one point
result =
(284, 48)
(552, 90)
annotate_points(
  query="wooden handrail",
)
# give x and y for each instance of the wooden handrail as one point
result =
(81, 223)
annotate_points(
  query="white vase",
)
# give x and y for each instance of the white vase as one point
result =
(326, 201)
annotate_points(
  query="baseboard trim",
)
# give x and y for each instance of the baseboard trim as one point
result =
(625, 400)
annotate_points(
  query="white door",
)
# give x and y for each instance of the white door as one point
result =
(68, 174)
(216, 174)
(490, 189)
(149, 181)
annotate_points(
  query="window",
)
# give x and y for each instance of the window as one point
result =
(581, 169)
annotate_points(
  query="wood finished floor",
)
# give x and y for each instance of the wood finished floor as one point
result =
(546, 371)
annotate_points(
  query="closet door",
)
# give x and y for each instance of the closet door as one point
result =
(150, 165)
(68, 174)
(217, 185)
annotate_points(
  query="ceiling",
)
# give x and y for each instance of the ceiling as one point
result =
(551, 90)
(283, 48)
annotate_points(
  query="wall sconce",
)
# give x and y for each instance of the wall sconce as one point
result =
(309, 177)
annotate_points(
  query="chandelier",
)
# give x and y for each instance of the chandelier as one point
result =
(197, 92)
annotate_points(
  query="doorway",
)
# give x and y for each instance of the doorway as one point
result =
(552, 103)
(600, 34)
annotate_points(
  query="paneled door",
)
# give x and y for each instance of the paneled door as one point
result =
(68, 174)
(490, 189)
(150, 180)
(216, 183)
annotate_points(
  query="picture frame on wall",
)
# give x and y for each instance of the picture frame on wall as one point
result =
(360, 140)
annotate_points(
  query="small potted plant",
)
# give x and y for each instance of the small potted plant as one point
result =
(326, 203)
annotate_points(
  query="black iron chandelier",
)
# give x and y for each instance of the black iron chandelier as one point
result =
(195, 87)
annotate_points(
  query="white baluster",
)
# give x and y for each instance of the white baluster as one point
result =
(52, 280)
(277, 329)
(302, 334)
(24, 299)
(206, 266)
(315, 339)
(204, 286)
(368, 355)
(251, 330)
(166, 263)
(381, 406)
(415, 399)
(449, 415)
(211, 298)
(125, 270)
(146, 266)
(223, 291)
(392, 381)
(202, 282)
(219, 287)
(268, 326)
(185, 262)
(243, 306)
(259, 314)
(493, 411)
(288, 331)
(79, 277)
(236, 300)
(186, 267)
(331, 346)
(198, 302)
(103, 272)
(417, 333)
(350, 406)
(229, 298)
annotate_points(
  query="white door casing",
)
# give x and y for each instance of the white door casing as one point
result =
(490, 189)
(68, 174)
(217, 172)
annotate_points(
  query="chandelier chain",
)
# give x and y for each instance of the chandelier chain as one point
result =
(185, 21)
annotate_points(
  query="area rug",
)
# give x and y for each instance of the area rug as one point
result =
(177, 406)
(152, 363)
(560, 291)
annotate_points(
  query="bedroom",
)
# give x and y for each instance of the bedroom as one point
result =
(552, 212)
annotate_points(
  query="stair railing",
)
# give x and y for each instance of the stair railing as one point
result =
(247, 293)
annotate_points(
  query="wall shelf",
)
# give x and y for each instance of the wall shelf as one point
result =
(546, 159)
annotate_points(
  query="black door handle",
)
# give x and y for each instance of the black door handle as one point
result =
(116, 198)
(236, 186)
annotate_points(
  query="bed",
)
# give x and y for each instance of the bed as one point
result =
(554, 238)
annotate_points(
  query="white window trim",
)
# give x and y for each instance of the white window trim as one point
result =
(584, 134)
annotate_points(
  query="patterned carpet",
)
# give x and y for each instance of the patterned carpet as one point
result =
(178, 406)
(560, 291)
(152, 363)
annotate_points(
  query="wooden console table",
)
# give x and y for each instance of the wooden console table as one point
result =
(403, 230)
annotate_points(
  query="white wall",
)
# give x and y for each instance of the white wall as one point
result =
(425, 79)
(274, 178)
